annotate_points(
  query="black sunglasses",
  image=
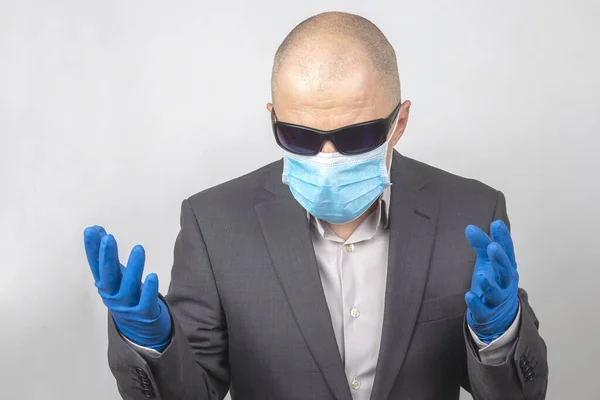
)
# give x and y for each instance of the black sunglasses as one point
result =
(349, 140)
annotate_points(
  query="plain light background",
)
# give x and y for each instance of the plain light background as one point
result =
(112, 112)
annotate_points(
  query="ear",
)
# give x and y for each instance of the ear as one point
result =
(402, 121)
(270, 107)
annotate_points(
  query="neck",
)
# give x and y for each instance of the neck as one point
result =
(344, 231)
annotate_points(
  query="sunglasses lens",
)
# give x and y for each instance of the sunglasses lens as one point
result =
(360, 139)
(297, 140)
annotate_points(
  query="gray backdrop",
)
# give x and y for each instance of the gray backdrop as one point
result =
(112, 112)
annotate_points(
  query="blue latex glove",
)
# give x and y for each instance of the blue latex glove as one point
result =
(136, 309)
(493, 300)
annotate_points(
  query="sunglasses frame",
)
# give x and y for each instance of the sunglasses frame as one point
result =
(331, 135)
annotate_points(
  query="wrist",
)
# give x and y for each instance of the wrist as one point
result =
(152, 333)
(497, 322)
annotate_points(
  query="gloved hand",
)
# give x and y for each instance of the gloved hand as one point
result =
(493, 300)
(136, 309)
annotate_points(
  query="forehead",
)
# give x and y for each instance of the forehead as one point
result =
(328, 103)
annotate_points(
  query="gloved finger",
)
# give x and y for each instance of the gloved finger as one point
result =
(149, 297)
(478, 309)
(504, 270)
(100, 230)
(91, 242)
(110, 268)
(492, 294)
(132, 276)
(501, 234)
(479, 240)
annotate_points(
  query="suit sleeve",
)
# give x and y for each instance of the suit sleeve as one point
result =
(194, 366)
(523, 374)
(497, 350)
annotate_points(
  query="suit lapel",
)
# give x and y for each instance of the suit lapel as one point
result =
(285, 227)
(412, 224)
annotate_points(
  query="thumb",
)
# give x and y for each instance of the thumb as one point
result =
(476, 306)
(149, 296)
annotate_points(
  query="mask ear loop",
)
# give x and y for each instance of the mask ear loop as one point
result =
(387, 141)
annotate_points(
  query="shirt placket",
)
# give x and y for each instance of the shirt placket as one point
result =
(351, 315)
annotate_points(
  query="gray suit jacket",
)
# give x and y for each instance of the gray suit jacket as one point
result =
(249, 313)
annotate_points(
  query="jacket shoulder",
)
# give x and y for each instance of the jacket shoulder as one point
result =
(454, 187)
(236, 193)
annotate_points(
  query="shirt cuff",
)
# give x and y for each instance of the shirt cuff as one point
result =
(141, 349)
(495, 353)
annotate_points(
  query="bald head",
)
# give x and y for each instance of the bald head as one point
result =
(336, 49)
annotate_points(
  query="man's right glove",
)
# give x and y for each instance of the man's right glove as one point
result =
(138, 312)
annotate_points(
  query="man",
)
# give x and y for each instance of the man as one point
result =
(338, 273)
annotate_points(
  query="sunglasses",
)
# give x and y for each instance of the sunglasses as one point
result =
(349, 140)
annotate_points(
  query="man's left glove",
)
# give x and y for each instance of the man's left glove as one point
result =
(138, 312)
(493, 300)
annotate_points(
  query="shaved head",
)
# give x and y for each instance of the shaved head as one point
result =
(333, 49)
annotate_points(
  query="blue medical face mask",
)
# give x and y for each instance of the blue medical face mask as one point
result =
(334, 187)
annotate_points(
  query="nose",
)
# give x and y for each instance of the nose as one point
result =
(328, 147)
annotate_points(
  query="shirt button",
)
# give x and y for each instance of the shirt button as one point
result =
(355, 312)
(350, 248)
(355, 384)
